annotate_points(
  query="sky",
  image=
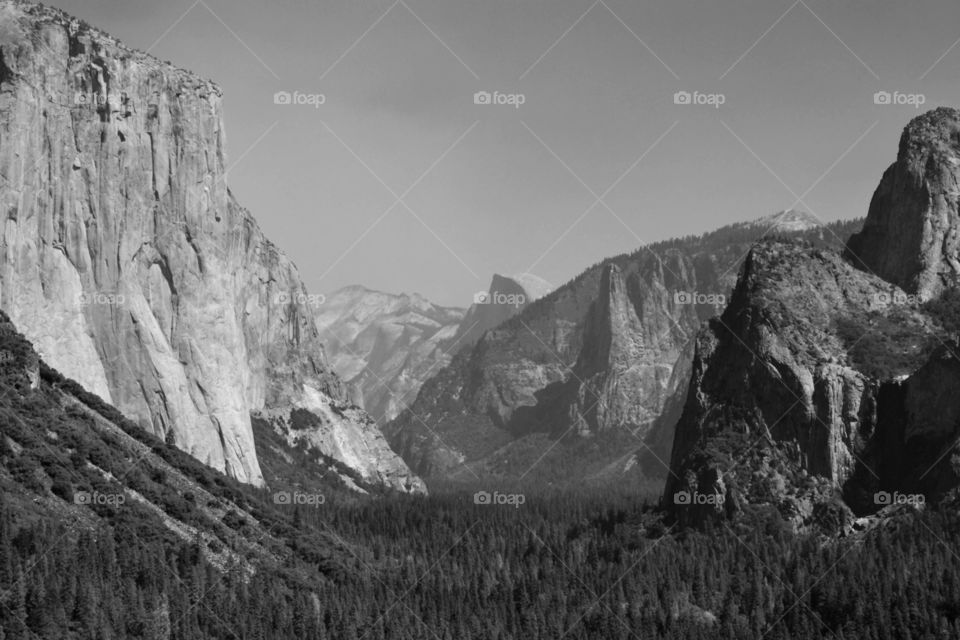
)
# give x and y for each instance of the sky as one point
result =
(587, 148)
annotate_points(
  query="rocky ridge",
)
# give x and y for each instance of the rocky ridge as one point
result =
(609, 376)
(544, 370)
(125, 258)
(825, 391)
(911, 235)
(384, 345)
(506, 297)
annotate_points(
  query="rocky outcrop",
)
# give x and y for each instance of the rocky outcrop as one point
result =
(506, 297)
(911, 236)
(816, 383)
(543, 370)
(611, 377)
(126, 260)
(386, 345)
(518, 378)
(823, 388)
(346, 434)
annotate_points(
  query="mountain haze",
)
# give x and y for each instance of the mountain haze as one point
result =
(603, 355)
(384, 345)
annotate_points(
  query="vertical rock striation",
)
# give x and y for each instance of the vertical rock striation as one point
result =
(613, 382)
(126, 260)
(911, 236)
(824, 388)
(605, 353)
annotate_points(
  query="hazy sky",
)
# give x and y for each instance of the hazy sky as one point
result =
(496, 188)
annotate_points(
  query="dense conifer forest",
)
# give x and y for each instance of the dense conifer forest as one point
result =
(173, 549)
(445, 568)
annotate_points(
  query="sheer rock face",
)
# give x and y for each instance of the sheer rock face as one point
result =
(506, 297)
(912, 233)
(125, 259)
(522, 376)
(756, 372)
(613, 380)
(815, 382)
(607, 352)
(821, 378)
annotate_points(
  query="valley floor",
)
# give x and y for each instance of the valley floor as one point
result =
(497, 566)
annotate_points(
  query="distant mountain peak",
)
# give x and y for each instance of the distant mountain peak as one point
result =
(535, 286)
(506, 297)
(788, 220)
(385, 344)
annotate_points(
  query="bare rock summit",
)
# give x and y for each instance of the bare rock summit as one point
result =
(912, 233)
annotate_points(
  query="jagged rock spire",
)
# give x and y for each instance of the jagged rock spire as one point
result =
(912, 233)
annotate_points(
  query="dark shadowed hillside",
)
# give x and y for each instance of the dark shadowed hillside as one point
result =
(829, 386)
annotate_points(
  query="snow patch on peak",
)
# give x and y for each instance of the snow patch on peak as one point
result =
(787, 221)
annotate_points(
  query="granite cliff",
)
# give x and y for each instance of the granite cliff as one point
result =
(829, 383)
(506, 297)
(911, 235)
(609, 381)
(387, 345)
(126, 260)
(599, 360)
